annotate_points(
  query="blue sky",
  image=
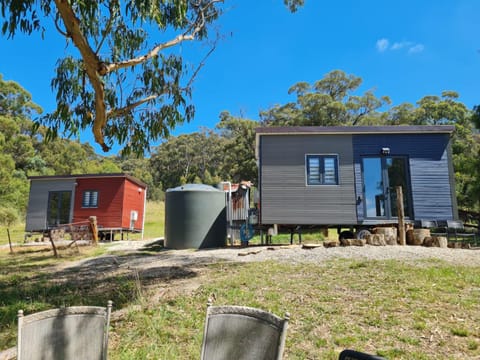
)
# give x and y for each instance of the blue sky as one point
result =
(405, 50)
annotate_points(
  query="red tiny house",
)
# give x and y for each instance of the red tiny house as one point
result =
(117, 201)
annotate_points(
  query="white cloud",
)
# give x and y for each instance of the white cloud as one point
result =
(418, 48)
(401, 45)
(382, 44)
(410, 47)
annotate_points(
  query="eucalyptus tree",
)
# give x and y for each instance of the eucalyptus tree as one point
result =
(188, 158)
(16, 144)
(327, 102)
(123, 79)
(239, 148)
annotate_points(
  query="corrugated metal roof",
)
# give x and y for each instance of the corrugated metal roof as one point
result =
(398, 129)
(87, 176)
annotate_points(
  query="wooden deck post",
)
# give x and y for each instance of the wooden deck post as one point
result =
(401, 216)
(94, 228)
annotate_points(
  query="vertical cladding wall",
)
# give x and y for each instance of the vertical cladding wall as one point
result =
(285, 196)
(110, 201)
(36, 219)
(431, 180)
(134, 199)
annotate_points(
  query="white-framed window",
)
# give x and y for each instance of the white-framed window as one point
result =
(321, 169)
(90, 199)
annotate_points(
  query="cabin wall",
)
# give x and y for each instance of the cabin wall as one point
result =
(110, 201)
(134, 200)
(285, 197)
(430, 172)
(36, 219)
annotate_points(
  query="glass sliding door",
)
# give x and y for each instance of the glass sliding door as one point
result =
(396, 169)
(58, 211)
(373, 188)
(381, 176)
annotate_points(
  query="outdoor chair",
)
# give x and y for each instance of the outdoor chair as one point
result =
(77, 332)
(241, 333)
(454, 230)
(357, 355)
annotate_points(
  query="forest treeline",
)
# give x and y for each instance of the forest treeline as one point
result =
(226, 152)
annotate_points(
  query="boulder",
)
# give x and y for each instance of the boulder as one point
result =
(376, 239)
(329, 244)
(428, 241)
(353, 242)
(389, 233)
(417, 236)
(440, 241)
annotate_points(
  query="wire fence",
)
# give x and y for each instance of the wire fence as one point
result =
(16, 234)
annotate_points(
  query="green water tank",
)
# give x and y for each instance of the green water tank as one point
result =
(195, 217)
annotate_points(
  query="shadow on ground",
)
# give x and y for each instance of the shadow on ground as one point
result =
(118, 276)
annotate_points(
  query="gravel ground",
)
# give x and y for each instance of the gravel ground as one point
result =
(295, 253)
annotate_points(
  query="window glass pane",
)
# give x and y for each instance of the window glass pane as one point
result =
(90, 198)
(329, 171)
(86, 199)
(322, 170)
(94, 199)
(58, 207)
(314, 170)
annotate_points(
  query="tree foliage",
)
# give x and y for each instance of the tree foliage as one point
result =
(329, 101)
(189, 158)
(239, 148)
(23, 152)
(127, 84)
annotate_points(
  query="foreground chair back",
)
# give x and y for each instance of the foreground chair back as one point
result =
(357, 355)
(240, 333)
(77, 332)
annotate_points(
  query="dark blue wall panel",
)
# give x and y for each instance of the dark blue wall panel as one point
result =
(431, 181)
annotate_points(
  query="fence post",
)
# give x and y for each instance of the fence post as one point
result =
(9, 241)
(94, 228)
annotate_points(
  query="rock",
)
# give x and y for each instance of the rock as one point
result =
(428, 241)
(353, 242)
(458, 245)
(329, 244)
(389, 233)
(251, 252)
(440, 241)
(417, 236)
(311, 246)
(376, 239)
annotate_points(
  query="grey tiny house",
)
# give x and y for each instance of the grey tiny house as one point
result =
(346, 176)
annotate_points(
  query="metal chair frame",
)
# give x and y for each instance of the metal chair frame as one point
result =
(240, 332)
(64, 333)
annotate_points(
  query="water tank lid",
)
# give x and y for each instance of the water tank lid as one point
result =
(194, 187)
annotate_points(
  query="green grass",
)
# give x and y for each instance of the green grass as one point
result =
(400, 310)
(374, 307)
(154, 221)
(17, 233)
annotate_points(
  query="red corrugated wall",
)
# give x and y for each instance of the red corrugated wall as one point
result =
(133, 200)
(117, 197)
